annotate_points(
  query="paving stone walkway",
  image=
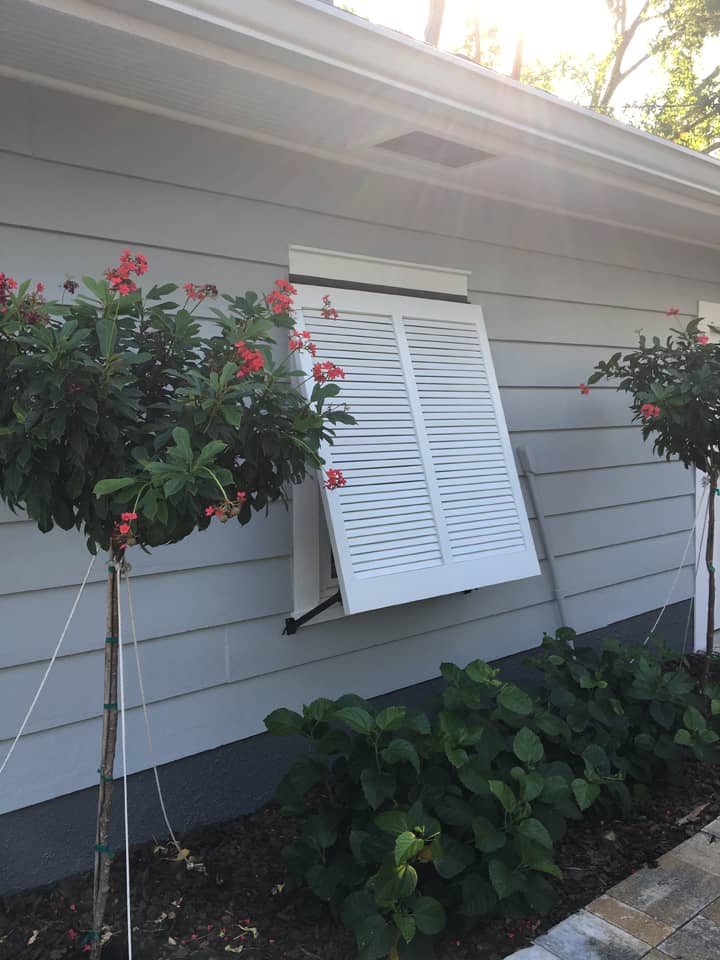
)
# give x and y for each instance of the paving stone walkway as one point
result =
(672, 911)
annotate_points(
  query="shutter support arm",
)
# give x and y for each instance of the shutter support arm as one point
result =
(293, 624)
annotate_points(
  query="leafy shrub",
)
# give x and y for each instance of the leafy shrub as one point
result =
(408, 819)
(628, 712)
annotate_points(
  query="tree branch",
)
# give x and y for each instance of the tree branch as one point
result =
(616, 75)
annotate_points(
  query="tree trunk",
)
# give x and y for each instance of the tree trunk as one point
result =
(518, 60)
(710, 563)
(434, 21)
(103, 855)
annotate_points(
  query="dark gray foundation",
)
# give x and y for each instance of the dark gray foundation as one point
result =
(50, 840)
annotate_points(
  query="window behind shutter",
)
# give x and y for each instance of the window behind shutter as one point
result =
(432, 504)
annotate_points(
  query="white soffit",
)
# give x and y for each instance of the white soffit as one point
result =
(354, 270)
(316, 80)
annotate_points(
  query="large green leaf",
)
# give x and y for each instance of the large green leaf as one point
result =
(585, 793)
(429, 915)
(377, 787)
(527, 746)
(515, 700)
(105, 487)
(393, 821)
(394, 882)
(407, 847)
(284, 722)
(357, 719)
(375, 938)
(391, 718)
(406, 925)
(504, 794)
(532, 829)
(401, 751)
(504, 881)
(451, 857)
(488, 836)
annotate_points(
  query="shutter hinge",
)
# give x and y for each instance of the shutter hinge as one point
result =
(293, 624)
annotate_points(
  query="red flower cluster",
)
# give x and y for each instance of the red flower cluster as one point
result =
(702, 339)
(223, 511)
(328, 312)
(300, 340)
(119, 276)
(200, 291)
(252, 360)
(6, 285)
(672, 312)
(335, 479)
(327, 371)
(584, 389)
(649, 410)
(280, 300)
(70, 285)
(123, 536)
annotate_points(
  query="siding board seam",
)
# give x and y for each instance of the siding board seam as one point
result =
(346, 218)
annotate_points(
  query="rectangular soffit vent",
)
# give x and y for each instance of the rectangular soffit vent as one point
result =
(426, 146)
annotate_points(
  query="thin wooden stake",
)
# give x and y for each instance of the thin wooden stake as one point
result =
(103, 857)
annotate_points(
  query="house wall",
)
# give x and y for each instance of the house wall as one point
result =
(83, 180)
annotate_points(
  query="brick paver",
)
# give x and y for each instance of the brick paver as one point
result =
(671, 912)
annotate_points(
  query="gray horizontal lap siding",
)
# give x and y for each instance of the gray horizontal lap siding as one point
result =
(210, 611)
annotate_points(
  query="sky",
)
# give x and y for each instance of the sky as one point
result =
(554, 27)
(551, 27)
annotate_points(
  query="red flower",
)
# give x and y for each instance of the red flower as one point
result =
(300, 340)
(584, 389)
(649, 410)
(328, 312)
(123, 528)
(128, 516)
(70, 285)
(335, 479)
(280, 299)
(253, 360)
(672, 312)
(72, 935)
(702, 339)
(327, 371)
(39, 288)
(209, 511)
(119, 276)
(6, 285)
(200, 291)
(241, 496)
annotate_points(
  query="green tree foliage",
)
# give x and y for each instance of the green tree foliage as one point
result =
(118, 402)
(669, 37)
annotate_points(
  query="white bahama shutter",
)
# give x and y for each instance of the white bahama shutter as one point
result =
(432, 504)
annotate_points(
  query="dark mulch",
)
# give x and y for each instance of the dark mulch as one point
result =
(240, 901)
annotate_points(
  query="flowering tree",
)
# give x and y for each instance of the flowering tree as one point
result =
(675, 389)
(121, 418)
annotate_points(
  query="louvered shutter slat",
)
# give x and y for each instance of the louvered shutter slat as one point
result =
(432, 503)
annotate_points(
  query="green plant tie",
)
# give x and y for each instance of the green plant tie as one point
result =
(89, 937)
(111, 568)
(101, 848)
(711, 568)
(103, 777)
(109, 706)
(111, 639)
